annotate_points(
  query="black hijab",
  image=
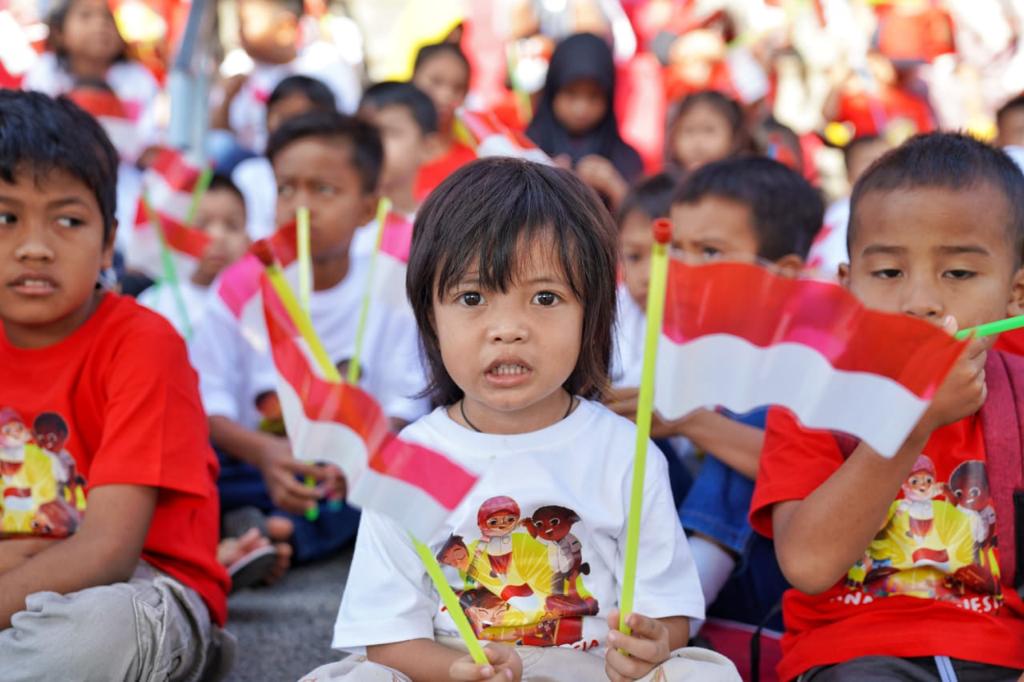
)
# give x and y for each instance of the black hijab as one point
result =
(578, 57)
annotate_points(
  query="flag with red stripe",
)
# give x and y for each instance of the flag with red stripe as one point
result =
(167, 189)
(388, 285)
(339, 423)
(483, 132)
(739, 336)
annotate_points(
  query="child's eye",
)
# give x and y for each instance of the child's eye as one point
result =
(633, 257)
(470, 298)
(326, 190)
(960, 274)
(285, 190)
(710, 253)
(886, 273)
(546, 298)
(68, 221)
(8, 218)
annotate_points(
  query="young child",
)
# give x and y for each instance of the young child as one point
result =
(737, 209)
(85, 45)
(1010, 123)
(512, 278)
(407, 122)
(828, 251)
(442, 71)
(329, 163)
(109, 528)
(704, 127)
(575, 120)
(291, 97)
(221, 214)
(912, 585)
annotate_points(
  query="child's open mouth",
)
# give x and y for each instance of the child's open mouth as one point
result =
(33, 285)
(507, 372)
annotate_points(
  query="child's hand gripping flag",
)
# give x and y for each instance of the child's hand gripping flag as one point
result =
(332, 422)
(161, 231)
(487, 136)
(738, 336)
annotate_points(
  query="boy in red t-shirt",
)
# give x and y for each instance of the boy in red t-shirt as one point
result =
(895, 561)
(109, 512)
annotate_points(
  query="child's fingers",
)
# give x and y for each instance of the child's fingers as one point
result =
(466, 669)
(640, 648)
(622, 668)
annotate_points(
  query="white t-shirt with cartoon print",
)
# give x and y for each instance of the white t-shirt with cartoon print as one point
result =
(535, 551)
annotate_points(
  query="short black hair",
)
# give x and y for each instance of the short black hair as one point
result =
(482, 214)
(219, 181)
(787, 211)
(319, 95)
(1010, 105)
(949, 161)
(651, 195)
(428, 52)
(39, 134)
(407, 96)
(363, 140)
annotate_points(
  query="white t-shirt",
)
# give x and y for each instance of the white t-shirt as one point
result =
(161, 298)
(255, 179)
(234, 372)
(571, 483)
(628, 347)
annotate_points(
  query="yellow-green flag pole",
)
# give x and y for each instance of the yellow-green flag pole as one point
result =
(323, 361)
(383, 207)
(655, 313)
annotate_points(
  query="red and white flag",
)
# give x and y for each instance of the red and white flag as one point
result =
(738, 336)
(111, 113)
(388, 287)
(167, 187)
(488, 136)
(338, 423)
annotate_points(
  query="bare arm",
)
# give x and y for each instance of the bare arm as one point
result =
(104, 551)
(736, 444)
(424, 660)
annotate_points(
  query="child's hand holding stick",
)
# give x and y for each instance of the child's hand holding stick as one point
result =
(504, 665)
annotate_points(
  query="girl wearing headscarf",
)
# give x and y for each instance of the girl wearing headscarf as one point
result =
(575, 120)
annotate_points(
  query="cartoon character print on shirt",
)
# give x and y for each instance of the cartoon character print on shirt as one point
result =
(41, 492)
(523, 578)
(937, 542)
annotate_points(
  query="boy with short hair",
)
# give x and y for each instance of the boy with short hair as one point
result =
(121, 528)
(895, 562)
(329, 163)
(407, 121)
(221, 215)
(737, 209)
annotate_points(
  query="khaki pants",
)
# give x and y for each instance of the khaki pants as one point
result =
(149, 628)
(550, 664)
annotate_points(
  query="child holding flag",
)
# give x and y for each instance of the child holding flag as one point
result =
(220, 214)
(330, 164)
(895, 562)
(121, 582)
(512, 279)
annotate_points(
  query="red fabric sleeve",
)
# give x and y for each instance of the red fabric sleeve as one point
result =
(794, 462)
(154, 428)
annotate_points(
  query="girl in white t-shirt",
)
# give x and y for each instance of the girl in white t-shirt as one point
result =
(512, 280)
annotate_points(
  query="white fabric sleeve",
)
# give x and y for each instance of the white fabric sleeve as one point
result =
(388, 597)
(667, 583)
(216, 351)
(398, 375)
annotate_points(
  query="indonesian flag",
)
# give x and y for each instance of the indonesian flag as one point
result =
(388, 287)
(338, 423)
(738, 336)
(116, 121)
(488, 136)
(167, 186)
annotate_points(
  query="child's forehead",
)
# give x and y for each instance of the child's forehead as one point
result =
(317, 155)
(46, 183)
(933, 218)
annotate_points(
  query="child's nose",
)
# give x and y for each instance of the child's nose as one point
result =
(33, 247)
(921, 300)
(508, 329)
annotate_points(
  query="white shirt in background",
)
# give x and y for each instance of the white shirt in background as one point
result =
(162, 298)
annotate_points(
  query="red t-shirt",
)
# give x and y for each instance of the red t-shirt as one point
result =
(928, 584)
(116, 402)
(434, 172)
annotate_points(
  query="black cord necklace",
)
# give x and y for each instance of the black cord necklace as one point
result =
(462, 411)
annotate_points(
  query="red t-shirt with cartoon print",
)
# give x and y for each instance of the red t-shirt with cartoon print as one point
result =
(116, 402)
(927, 585)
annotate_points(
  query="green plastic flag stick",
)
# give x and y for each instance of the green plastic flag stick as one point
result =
(167, 263)
(645, 403)
(202, 184)
(304, 257)
(383, 207)
(992, 328)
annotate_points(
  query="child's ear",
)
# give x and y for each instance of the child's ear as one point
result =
(844, 275)
(790, 265)
(368, 210)
(108, 246)
(1015, 306)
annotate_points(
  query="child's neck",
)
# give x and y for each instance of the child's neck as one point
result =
(329, 272)
(84, 67)
(32, 337)
(478, 417)
(403, 199)
(202, 279)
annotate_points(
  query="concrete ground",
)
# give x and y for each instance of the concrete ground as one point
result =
(285, 631)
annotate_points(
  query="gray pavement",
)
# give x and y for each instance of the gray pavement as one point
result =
(284, 631)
